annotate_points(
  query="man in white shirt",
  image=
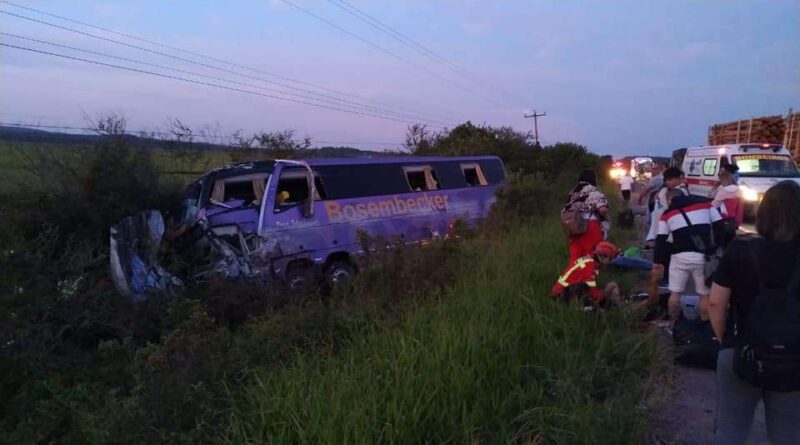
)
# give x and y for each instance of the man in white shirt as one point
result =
(625, 185)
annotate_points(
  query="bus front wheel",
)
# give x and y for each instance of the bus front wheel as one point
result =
(339, 274)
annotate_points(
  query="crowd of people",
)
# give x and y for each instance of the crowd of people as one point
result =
(748, 286)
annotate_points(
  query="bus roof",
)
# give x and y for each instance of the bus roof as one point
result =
(395, 160)
(267, 165)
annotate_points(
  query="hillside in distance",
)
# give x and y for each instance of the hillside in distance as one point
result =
(12, 134)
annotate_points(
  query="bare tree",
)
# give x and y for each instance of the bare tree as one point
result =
(111, 124)
(281, 140)
(212, 134)
(419, 139)
(238, 140)
(180, 132)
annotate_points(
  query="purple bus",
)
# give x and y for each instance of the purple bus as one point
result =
(299, 221)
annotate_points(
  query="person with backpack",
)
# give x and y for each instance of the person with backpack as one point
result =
(755, 312)
(691, 222)
(583, 216)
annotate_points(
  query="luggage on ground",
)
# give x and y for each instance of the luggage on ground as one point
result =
(625, 219)
(694, 343)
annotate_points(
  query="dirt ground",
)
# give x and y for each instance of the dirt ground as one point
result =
(684, 411)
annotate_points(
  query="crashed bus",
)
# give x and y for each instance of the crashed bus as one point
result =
(300, 221)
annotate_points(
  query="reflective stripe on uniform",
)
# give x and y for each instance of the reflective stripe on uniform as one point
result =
(592, 283)
(580, 263)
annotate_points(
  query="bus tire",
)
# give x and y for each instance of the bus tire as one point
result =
(339, 274)
(300, 279)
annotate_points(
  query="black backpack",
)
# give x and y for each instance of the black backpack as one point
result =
(768, 335)
(694, 343)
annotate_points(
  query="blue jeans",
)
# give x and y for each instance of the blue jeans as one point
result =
(736, 404)
(631, 263)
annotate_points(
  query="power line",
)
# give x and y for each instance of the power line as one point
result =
(382, 49)
(111, 56)
(200, 82)
(85, 129)
(183, 59)
(397, 35)
(404, 39)
(203, 56)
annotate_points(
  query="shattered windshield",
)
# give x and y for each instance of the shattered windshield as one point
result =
(237, 191)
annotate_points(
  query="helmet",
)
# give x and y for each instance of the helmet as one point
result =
(607, 249)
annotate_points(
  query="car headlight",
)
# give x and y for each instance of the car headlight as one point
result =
(748, 194)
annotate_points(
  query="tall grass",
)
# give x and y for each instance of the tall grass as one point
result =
(494, 362)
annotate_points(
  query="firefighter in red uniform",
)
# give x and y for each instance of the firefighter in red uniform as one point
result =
(579, 279)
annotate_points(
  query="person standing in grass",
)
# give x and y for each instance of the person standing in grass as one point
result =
(755, 311)
(655, 184)
(592, 206)
(625, 187)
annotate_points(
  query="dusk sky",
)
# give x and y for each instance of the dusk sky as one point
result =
(621, 77)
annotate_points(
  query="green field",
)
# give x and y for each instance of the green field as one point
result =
(18, 158)
(182, 162)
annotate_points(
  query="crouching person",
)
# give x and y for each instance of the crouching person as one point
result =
(578, 282)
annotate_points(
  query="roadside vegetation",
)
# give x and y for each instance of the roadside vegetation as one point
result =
(455, 341)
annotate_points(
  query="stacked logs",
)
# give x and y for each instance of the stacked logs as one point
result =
(791, 139)
(768, 129)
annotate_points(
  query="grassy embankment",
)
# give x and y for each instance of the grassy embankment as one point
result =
(450, 343)
(493, 361)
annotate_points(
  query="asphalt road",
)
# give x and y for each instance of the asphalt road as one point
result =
(686, 415)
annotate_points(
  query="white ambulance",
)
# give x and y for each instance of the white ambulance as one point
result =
(760, 167)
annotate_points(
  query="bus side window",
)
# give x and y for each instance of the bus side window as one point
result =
(293, 189)
(473, 174)
(247, 188)
(421, 178)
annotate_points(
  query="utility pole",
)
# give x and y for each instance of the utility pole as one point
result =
(536, 117)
